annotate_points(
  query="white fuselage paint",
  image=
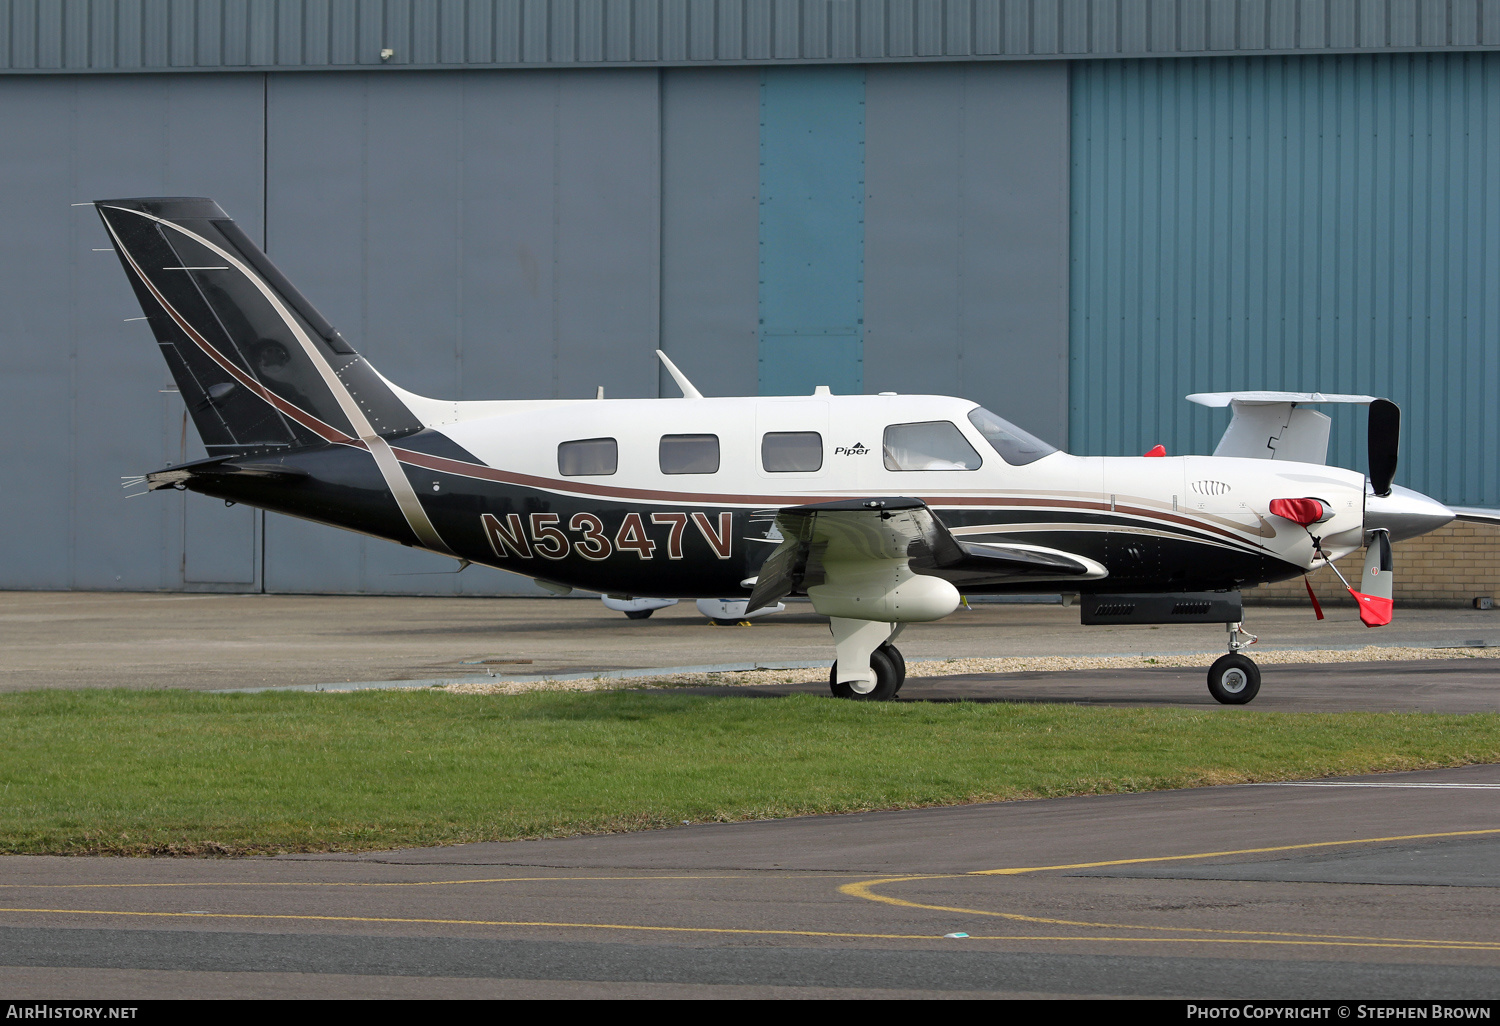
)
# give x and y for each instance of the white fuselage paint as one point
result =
(1223, 501)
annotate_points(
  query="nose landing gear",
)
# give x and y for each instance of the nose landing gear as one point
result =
(1234, 679)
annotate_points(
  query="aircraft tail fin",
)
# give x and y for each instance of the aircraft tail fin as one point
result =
(258, 367)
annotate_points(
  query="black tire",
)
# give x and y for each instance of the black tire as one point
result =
(1233, 679)
(720, 622)
(887, 683)
(898, 660)
(639, 614)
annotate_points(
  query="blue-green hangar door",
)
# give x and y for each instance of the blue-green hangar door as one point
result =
(911, 235)
(812, 230)
(1328, 223)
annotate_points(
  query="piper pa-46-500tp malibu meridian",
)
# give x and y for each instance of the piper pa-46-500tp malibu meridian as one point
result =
(878, 508)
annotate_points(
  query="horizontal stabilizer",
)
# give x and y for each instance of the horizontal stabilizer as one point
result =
(219, 466)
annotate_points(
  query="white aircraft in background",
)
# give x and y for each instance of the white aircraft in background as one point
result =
(723, 612)
(878, 508)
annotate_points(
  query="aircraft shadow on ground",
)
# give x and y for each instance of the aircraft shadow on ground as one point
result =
(948, 699)
(571, 626)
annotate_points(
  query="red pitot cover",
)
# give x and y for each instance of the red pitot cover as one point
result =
(1373, 610)
(1298, 511)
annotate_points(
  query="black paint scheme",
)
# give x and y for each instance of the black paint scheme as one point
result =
(341, 486)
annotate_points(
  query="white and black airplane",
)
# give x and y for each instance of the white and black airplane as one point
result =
(879, 508)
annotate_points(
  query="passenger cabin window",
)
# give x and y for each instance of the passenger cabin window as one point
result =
(934, 445)
(1015, 446)
(588, 457)
(689, 454)
(788, 452)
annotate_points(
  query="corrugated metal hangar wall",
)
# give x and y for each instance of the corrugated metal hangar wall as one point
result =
(1076, 243)
(1291, 223)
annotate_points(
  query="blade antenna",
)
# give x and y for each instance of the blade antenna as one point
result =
(688, 389)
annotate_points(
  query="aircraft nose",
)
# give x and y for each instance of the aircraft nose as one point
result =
(1405, 513)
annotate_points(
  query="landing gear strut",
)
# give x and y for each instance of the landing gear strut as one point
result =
(1234, 679)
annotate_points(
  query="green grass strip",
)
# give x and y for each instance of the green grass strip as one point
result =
(131, 772)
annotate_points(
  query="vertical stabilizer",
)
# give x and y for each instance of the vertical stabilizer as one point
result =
(258, 367)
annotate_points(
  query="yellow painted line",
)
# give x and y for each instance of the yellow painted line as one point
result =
(393, 883)
(1377, 943)
(1241, 851)
(478, 922)
(863, 889)
(1422, 946)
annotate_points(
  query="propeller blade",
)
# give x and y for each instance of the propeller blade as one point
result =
(1376, 583)
(1384, 439)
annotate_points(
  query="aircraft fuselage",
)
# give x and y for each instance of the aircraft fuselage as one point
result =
(490, 476)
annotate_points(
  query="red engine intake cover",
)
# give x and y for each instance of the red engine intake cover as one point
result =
(1298, 511)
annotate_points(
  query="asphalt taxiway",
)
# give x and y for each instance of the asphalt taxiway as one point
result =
(100, 639)
(1430, 685)
(1369, 887)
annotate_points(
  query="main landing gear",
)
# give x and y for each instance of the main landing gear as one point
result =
(1234, 679)
(855, 643)
(890, 673)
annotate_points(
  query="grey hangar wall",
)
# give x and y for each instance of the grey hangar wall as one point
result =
(508, 234)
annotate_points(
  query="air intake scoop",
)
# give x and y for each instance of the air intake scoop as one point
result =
(1300, 511)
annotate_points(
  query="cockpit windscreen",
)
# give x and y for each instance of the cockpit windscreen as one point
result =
(1015, 446)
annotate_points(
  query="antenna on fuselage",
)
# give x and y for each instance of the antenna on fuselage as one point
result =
(599, 394)
(688, 391)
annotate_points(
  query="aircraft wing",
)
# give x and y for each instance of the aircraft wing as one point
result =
(1476, 515)
(881, 529)
(1222, 399)
(1276, 425)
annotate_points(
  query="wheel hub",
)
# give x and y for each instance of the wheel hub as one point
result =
(1234, 680)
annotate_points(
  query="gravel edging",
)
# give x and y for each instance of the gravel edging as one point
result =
(954, 667)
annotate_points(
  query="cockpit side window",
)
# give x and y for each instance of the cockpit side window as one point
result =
(1015, 446)
(689, 454)
(588, 457)
(932, 445)
(787, 452)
